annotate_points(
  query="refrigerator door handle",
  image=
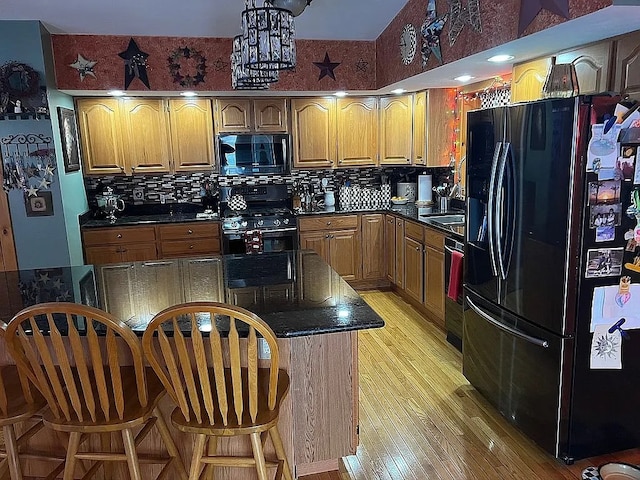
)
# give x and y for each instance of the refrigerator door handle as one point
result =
(517, 333)
(500, 220)
(491, 209)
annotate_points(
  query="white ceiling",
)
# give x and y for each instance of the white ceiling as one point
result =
(323, 19)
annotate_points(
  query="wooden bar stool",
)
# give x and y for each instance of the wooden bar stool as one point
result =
(86, 386)
(214, 399)
(19, 402)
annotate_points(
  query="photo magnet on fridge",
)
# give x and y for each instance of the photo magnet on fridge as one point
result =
(605, 234)
(605, 215)
(627, 161)
(606, 192)
(604, 262)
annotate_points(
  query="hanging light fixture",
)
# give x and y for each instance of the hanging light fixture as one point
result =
(243, 78)
(296, 7)
(268, 37)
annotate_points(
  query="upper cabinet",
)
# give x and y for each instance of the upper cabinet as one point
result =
(396, 122)
(420, 128)
(593, 66)
(145, 135)
(191, 125)
(528, 79)
(357, 131)
(246, 115)
(627, 65)
(314, 132)
(439, 127)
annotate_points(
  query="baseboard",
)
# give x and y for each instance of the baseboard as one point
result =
(376, 284)
(317, 467)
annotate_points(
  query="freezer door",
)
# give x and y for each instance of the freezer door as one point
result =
(534, 205)
(517, 367)
(485, 135)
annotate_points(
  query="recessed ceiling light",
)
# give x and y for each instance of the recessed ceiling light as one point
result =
(116, 93)
(189, 94)
(464, 78)
(398, 91)
(500, 58)
(341, 93)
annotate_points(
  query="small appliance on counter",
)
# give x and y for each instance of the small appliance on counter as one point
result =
(110, 203)
(406, 190)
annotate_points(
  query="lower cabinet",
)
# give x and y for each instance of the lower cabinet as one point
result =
(130, 244)
(336, 239)
(413, 268)
(373, 260)
(390, 247)
(434, 274)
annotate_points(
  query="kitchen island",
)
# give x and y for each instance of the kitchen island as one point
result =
(313, 311)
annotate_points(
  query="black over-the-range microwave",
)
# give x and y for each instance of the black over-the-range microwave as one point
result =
(254, 153)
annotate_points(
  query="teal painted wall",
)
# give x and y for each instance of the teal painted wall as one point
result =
(45, 241)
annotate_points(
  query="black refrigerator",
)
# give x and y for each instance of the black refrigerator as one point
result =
(529, 240)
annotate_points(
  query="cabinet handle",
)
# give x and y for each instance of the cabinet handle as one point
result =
(190, 247)
(119, 235)
(5, 231)
(328, 223)
(189, 231)
(327, 236)
(417, 249)
(121, 169)
(408, 160)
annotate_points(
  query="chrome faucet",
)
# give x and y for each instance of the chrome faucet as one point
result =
(460, 189)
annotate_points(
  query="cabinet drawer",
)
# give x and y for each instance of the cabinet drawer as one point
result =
(187, 248)
(118, 235)
(185, 231)
(328, 223)
(414, 231)
(434, 239)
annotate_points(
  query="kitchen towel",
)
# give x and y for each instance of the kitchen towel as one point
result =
(253, 241)
(455, 276)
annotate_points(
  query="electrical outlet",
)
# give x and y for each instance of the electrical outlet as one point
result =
(138, 194)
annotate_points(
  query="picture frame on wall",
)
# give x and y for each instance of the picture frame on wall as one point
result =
(69, 137)
(40, 205)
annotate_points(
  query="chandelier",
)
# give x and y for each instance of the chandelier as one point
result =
(243, 78)
(268, 37)
(296, 7)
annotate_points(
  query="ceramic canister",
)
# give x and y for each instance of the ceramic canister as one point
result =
(407, 190)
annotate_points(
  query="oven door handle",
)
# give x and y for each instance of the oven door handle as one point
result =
(278, 230)
(451, 250)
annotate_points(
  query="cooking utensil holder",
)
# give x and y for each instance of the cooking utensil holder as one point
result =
(445, 203)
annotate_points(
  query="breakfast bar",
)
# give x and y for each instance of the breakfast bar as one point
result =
(314, 313)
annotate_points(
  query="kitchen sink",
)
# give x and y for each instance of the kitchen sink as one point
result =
(447, 219)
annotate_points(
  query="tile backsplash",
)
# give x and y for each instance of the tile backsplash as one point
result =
(189, 187)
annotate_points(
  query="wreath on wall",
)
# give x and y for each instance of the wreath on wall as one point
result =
(175, 67)
(19, 79)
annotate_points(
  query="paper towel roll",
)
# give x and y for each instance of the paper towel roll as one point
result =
(425, 185)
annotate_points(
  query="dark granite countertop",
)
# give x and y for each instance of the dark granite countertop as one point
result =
(148, 214)
(295, 292)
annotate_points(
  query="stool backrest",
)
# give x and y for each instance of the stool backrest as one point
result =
(80, 377)
(186, 371)
(9, 382)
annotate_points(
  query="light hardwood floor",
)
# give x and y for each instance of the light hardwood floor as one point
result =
(420, 419)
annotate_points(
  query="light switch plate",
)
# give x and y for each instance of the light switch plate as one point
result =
(264, 352)
(138, 194)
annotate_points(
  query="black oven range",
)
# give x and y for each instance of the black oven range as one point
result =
(266, 208)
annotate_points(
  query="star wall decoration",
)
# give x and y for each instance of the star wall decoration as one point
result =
(326, 67)
(431, 30)
(84, 67)
(460, 15)
(220, 65)
(32, 191)
(362, 65)
(189, 79)
(44, 183)
(48, 170)
(135, 64)
(529, 9)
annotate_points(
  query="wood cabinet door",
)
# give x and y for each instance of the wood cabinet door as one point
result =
(116, 290)
(419, 156)
(396, 121)
(314, 132)
(103, 255)
(357, 120)
(592, 65)
(373, 248)
(344, 253)
(202, 280)
(157, 286)
(439, 126)
(146, 135)
(191, 125)
(8, 259)
(270, 115)
(413, 268)
(390, 246)
(139, 252)
(399, 253)
(233, 115)
(528, 79)
(316, 241)
(434, 282)
(99, 122)
(320, 289)
(627, 65)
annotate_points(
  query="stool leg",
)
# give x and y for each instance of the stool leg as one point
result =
(170, 444)
(105, 446)
(274, 433)
(132, 456)
(12, 452)
(198, 452)
(258, 455)
(72, 449)
(212, 448)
